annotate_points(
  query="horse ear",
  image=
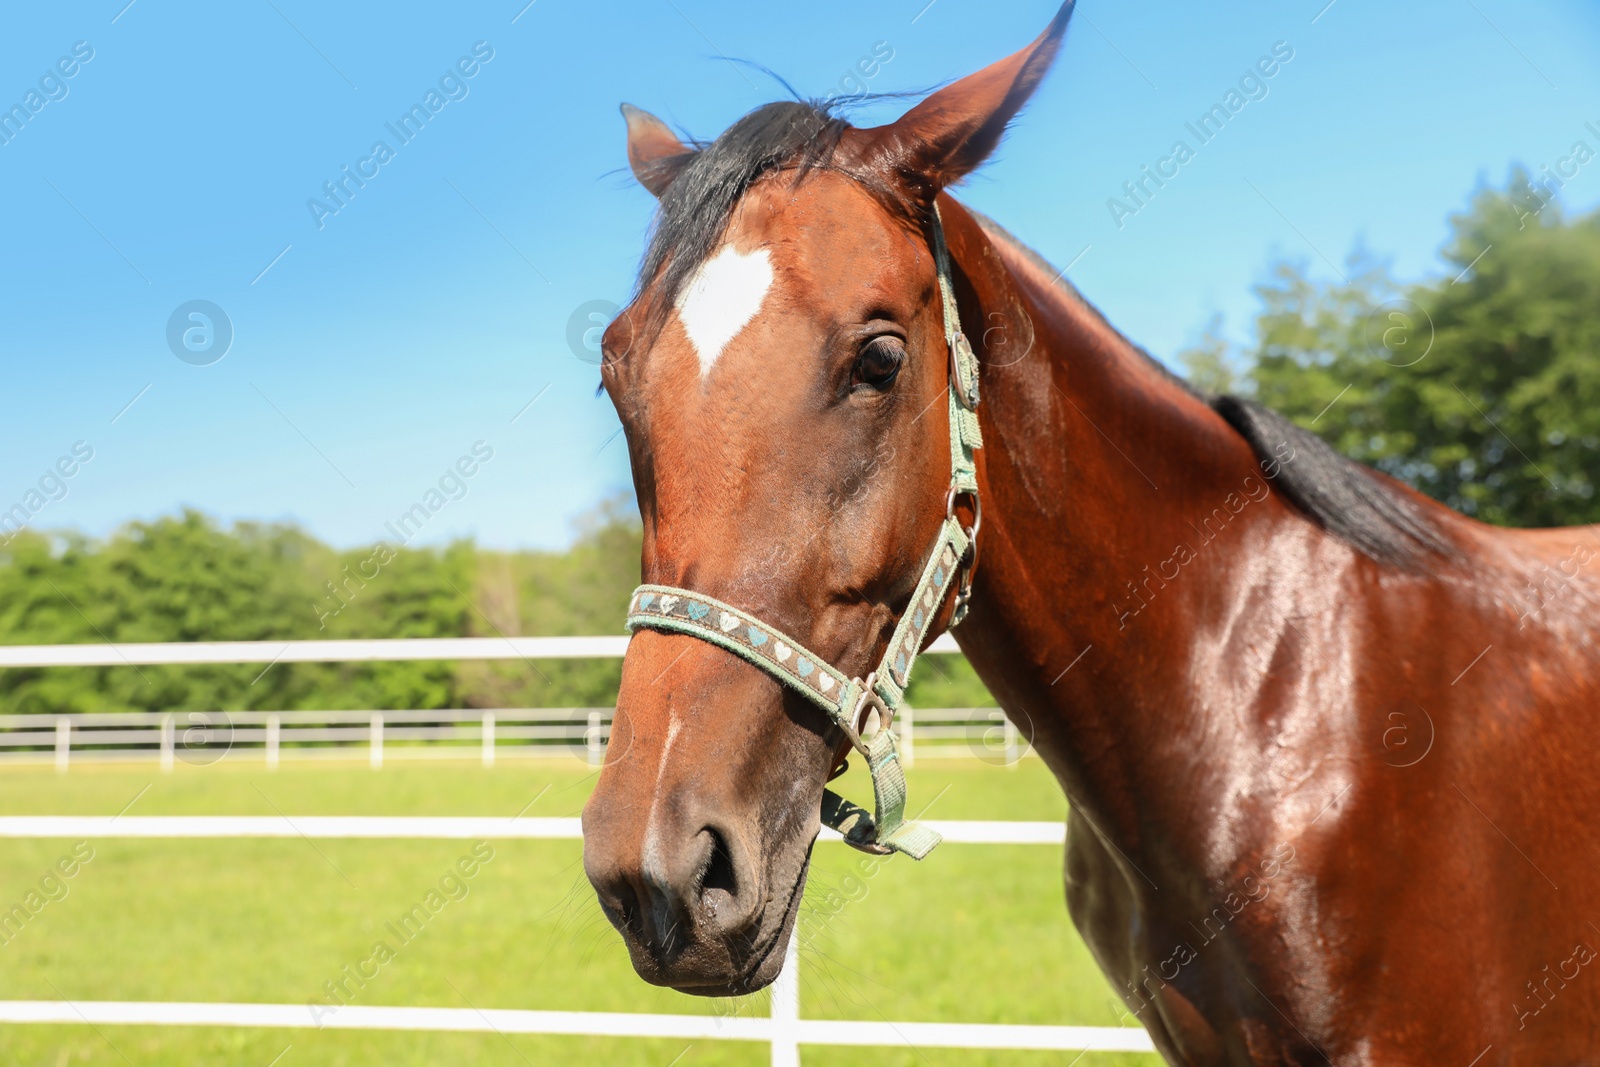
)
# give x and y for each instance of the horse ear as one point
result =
(654, 151)
(952, 132)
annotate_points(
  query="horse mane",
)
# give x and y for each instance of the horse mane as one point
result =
(1370, 512)
(1373, 514)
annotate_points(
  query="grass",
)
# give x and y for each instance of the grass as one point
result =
(974, 934)
(142, 1046)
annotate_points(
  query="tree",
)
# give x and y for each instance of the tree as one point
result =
(184, 578)
(1480, 388)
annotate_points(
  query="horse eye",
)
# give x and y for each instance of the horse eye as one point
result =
(879, 362)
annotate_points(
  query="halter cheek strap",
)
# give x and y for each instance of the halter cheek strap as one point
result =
(847, 701)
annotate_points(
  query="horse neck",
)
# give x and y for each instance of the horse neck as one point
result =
(1096, 465)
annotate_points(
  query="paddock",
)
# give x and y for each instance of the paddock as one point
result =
(484, 742)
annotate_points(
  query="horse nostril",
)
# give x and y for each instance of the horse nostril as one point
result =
(719, 873)
(620, 905)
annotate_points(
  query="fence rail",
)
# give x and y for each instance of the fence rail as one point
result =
(778, 1032)
(390, 650)
(492, 733)
(441, 827)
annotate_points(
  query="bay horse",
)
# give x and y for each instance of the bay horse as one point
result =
(1329, 750)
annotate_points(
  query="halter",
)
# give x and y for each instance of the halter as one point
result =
(848, 702)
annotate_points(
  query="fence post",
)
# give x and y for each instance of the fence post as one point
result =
(908, 748)
(167, 732)
(1012, 756)
(63, 743)
(488, 739)
(272, 741)
(786, 1007)
(377, 741)
(591, 739)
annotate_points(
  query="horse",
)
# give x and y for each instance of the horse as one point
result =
(1331, 777)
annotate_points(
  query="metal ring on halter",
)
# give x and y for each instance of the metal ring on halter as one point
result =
(969, 559)
(869, 695)
(977, 511)
(852, 729)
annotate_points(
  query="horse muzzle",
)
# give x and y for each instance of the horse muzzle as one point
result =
(691, 899)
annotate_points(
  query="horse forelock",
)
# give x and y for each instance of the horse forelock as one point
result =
(799, 137)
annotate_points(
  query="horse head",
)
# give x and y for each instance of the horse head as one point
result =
(782, 377)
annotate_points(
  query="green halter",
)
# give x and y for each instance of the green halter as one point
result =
(848, 700)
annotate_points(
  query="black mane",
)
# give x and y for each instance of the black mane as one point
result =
(1338, 494)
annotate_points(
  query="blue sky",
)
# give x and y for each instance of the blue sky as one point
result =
(372, 352)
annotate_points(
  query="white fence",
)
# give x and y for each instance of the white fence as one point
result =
(277, 734)
(203, 737)
(111, 654)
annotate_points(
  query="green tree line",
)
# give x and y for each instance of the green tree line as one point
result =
(186, 578)
(1480, 387)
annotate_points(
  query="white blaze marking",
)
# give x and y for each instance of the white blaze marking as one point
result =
(721, 298)
(653, 859)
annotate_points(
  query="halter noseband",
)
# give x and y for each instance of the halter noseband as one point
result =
(847, 701)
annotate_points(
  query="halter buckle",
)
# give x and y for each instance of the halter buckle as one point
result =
(963, 599)
(968, 559)
(871, 848)
(868, 701)
(962, 363)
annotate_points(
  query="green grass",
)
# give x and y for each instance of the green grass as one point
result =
(143, 1046)
(974, 934)
(951, 789)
